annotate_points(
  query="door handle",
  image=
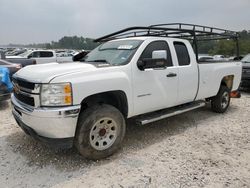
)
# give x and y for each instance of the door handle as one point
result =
(171, 74)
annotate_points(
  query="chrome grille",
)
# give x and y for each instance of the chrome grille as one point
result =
(26, 92)
(25, 99)
(24, 84)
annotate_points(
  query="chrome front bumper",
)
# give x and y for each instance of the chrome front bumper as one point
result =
(54, 123)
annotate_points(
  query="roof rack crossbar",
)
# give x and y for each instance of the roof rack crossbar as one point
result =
(165, 29)
(194, 26)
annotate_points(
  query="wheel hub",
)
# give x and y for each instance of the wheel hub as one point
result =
(103, 133)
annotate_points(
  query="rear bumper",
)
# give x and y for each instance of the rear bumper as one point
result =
(50, 125)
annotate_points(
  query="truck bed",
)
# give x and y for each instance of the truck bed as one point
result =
(211, 72)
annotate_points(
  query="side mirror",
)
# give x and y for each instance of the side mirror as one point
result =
(158, 61)
(29, 56)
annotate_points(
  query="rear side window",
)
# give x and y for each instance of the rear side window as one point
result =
(46, 54)
(182, 53)
(157, 45)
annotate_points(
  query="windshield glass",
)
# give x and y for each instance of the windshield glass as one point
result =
(25, 54)
(246, 59)
(113, 52)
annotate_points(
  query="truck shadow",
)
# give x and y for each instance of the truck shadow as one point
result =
(137, 137)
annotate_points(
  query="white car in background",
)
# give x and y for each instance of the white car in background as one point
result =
(43, 56)
(220, 58)
(205, 58)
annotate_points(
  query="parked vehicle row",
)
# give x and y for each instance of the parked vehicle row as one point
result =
(219, 58)
(42, 56)
(14, 63)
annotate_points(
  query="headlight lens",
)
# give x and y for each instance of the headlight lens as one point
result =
(56, 94)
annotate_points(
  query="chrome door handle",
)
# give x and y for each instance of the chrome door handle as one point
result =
(171, 74)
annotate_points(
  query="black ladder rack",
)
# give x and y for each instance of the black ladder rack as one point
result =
(176, 30)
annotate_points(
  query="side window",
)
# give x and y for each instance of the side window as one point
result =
(34, 54)
(182, 53)
(46, 54)
(157, 45)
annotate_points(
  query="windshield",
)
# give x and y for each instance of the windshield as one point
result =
(25, 54)
(246, 59)
(113, 52)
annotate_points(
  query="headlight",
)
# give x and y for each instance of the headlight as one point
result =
(56, 94)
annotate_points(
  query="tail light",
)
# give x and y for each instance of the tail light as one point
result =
(235, 94)
(34, 62)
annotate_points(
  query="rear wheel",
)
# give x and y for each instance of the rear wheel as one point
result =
(221, 101)
(100, 131)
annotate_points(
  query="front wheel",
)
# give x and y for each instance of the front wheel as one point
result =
(100, 131)
(221, 101)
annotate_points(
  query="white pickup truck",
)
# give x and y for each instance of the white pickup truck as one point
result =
(146, 77)
(42, 56)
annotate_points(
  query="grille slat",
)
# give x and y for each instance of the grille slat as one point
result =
(24, 84)
(23, 91)
(25, 99)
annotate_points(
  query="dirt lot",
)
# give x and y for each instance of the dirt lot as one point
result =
(195, 149)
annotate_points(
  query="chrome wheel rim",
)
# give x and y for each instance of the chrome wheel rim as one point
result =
(103, 133)
(225, 100)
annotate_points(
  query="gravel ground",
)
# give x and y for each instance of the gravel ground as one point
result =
(195, 149)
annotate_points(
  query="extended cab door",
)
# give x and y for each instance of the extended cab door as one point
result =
(188, 71)
(154, 89)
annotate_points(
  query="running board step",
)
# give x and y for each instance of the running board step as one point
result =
(158, 115)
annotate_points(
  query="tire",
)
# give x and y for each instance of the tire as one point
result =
(221, 101)
(100, 131)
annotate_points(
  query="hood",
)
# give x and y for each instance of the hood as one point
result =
(14, 57)
(44, 73)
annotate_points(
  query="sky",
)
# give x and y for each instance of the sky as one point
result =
(40, 21)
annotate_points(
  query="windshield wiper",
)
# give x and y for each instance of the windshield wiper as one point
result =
(100, 61)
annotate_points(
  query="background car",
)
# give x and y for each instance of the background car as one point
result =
(13, 67)
(245, 80)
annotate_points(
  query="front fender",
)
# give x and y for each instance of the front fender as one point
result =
(94, 83)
